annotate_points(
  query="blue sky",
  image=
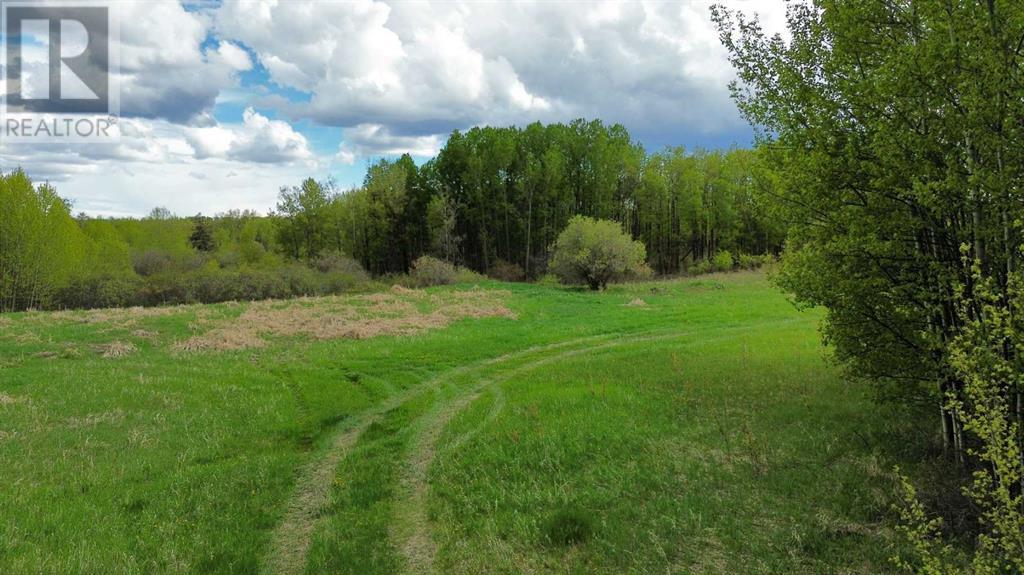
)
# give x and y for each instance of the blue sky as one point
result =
(223, 103)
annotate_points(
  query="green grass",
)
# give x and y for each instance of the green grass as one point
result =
(701, 433)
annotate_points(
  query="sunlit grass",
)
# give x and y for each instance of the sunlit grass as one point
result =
(701, 432)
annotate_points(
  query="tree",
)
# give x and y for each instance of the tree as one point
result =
(895, 131)
(595, 252)
(441, 220)
(41, 246)
(302, 213)
(202, 235)
(894, 128)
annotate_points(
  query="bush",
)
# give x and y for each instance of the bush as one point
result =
(748, 262)
(467, 276)
(99, 292)
(595, 252)
(340, 263)
(723, 261)
(302, 281)
(152, 262)
(430, 271)
(165, 288)
(506, 272)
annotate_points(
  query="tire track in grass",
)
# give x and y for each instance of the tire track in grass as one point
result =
(291, 540)
(411, 525)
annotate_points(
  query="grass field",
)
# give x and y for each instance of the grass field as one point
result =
(690, 426)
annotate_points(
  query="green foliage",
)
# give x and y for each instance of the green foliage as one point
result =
(752, 262)
(893, 130)
(723, 261)
(202, 236)
(41, 246)
(442, 217)
(595, 252)
(302, 218)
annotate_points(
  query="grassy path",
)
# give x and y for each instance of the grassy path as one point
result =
(291, 539)
(411, 526)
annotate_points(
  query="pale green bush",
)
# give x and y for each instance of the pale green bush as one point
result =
(595, 252)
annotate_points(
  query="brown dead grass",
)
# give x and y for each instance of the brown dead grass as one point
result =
(637, 303)
(400, 311)
(27, 337)
(113, 316)
(9, 399)
(116, 349)
(94, 419)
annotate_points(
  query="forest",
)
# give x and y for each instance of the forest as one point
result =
(493, 201)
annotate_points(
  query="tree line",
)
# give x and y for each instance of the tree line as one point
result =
(498, 197)
(494, 200)
(895, 133)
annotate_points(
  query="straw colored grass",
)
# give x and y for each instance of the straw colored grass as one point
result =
(116, 349)
(400, 311)
(9, 399)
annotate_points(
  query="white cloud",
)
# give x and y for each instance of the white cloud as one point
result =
(371, 140)
(165, 70)
(157, 162)
(426, 67)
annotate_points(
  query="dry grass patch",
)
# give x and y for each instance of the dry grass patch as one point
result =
(27, 337)
(9, 399)
(637, 303)
(116, 349)
(94, 419)
(400, 311)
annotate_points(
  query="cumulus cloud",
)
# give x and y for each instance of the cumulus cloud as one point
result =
(428, 67)
(257, 139)
(369, 140)
(168, 69)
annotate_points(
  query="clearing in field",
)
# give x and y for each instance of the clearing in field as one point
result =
(506, 428)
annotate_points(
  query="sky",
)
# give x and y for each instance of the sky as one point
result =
(223, 103)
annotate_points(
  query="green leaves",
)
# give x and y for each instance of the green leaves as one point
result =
(595, 252)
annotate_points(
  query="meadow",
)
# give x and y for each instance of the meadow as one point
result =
(683, 426)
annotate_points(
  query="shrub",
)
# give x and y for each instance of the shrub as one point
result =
(302, 281)
(215, 286)
(152, 262)
(595, 252)
(749, 262)
(258, 285)
(467, 276)
(430, 271)
(701, 267)
(101, 291)
(165, 288)
(723, 261)
(506, 272)
(337, 262)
